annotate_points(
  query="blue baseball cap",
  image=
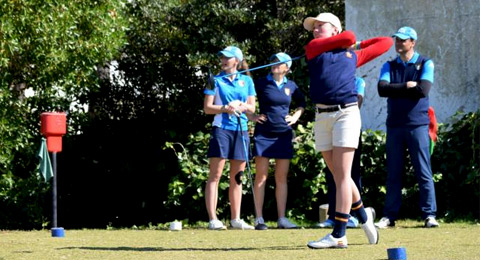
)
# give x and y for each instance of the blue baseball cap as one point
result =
(283, 57)
(232, 51)
(406, 33)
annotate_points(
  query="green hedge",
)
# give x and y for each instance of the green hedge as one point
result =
(25, 203)
(455, 165)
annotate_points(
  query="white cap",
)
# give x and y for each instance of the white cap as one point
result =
(323, 17)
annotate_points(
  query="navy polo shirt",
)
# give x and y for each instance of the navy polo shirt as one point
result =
(332, 77)
(407, 111)
(274, 102)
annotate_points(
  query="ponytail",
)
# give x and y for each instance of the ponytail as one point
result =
(244, 66)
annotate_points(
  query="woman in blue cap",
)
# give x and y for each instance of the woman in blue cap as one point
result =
(273, 135)
(233, 95)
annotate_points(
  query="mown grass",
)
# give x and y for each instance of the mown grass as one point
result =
(450, 241)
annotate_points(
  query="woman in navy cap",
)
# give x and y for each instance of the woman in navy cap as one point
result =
(273, 135)
(233, 95)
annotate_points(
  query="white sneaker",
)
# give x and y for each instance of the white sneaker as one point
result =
(326, 224)
(240, 224)
(284, 223)
(369, 227)
(216, 224)
(384, 223)
(431, 222)
(329, 242)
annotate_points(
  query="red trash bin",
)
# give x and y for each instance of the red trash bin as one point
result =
(53, 127)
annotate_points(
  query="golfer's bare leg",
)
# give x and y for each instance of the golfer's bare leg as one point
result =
(235, 190)
(339, 161)
(261, 175)
(281, 186)
(211, 188)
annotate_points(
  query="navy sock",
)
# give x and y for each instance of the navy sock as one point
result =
(359, 211)
(341, 220)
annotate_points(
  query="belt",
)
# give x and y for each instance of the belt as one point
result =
(335, 108)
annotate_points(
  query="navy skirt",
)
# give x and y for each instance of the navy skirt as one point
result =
(273, 145)
(228, 144)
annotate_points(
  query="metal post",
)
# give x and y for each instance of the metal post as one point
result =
(54, 189)
(56, 231)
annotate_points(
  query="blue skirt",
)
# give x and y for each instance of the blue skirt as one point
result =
(273, 145)
(228, 144)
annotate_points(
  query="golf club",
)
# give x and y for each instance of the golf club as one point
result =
(249, 172)
(211, 78)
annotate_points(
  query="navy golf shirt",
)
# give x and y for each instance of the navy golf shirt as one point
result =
(274, 102)
(332, 77)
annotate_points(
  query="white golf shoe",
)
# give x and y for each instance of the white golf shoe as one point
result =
(329, 242)
(240, 224)
(384, 223)
(431, 222)
(369, 227)
(216, 224)
(285, 223)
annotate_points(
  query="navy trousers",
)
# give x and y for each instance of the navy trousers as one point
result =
(416, 140)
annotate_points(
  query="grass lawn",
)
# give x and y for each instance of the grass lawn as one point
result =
(450, 241)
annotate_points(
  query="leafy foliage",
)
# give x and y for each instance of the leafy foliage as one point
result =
(457, 159)
(186, 190)
(21, 200)
(50, 49)
(307, 183)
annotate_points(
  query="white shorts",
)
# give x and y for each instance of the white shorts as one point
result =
(340, 128)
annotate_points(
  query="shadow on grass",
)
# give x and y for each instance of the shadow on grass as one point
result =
(160, 249)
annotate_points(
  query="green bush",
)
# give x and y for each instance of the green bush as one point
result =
(22, 201)
(53, 49)
(457, 159)
(455, 174)
(186, 189)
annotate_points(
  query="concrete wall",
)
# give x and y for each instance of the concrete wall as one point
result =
(448, 33)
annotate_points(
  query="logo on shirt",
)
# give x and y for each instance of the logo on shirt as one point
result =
(419, 66)
(287, 91)
(348, 54)
(241, 83)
